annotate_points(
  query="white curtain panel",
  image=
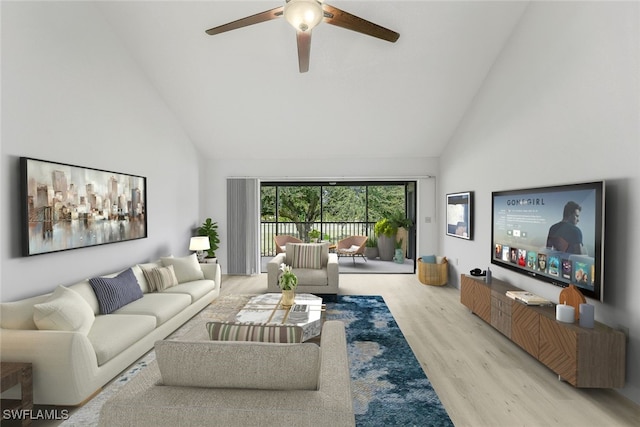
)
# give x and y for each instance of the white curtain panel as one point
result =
(243, 226)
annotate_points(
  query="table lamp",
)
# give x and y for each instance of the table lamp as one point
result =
(199, 244)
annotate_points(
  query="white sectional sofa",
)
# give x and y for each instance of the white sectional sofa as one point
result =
(75, 348)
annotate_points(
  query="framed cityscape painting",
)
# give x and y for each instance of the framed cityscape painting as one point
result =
(460, 215)
(69, 207)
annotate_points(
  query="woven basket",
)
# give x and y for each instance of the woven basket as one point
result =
(433, 274)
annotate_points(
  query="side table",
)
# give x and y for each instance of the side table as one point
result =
(14, 373)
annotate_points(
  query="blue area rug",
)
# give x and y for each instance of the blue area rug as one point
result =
(388, 383)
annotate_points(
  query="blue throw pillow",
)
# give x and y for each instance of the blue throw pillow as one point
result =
(429, 259)
(115, 292)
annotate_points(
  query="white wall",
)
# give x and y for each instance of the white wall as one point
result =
(338, 169)
(561, 105)
(71, 94)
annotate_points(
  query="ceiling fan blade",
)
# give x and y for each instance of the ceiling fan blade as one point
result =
(340, 18)
(249, 20)
(304, 49)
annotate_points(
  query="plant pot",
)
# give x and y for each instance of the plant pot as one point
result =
(386, 247)
(211, 260)
(371, 253)
(288, 297)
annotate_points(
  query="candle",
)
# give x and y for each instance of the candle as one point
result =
(586, 315)
(565, 313)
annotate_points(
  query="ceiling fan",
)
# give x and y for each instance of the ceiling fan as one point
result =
(304, 15)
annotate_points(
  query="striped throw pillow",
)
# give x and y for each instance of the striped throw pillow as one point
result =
(256, 332)
(306, 255)
(160, 278)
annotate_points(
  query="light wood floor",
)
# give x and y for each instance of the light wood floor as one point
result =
(482, 378)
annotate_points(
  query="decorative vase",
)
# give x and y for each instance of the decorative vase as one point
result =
(288, 297)
(399, 256)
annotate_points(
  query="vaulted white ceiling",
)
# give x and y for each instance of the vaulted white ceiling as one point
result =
(240, 95)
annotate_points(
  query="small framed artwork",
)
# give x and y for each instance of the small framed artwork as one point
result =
(69, 207)
(460, 215)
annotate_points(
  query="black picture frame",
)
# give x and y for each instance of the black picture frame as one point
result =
(459, 215)
(68, 207)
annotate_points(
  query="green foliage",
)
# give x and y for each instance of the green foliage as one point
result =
(210, 229)
(398, 220)
(399, 244)
(314, 234)
(372, 242)
(384, 227)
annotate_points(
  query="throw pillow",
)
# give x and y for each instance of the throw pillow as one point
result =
(146, 272)
(163, 278)
(256, 332)
(187, 269)
(429, 259)
(64, 310)
(305, 255)
(116, 292)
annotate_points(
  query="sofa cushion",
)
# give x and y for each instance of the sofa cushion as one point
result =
(112, 334)
(236, 364)
(196, 289)
(86, 291)
(305, 255)
(312, 276)
(116, 292)
(256, 332)
(187, 269)
(64, 310)
(160, 305)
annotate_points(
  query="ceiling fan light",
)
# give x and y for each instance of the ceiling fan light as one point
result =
(303, 15)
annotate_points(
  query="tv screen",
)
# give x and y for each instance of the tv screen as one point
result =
(554, 234)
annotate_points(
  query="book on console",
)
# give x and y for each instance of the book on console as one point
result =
(527, 298)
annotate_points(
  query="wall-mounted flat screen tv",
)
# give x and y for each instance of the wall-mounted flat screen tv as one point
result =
(554, 234)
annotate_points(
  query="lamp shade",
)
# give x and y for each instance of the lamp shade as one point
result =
(303, 15)
(200, 243)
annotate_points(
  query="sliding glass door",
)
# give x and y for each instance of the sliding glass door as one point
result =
(331, 211)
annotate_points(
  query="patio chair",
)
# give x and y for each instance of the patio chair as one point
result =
(282, 240)
(352, 246)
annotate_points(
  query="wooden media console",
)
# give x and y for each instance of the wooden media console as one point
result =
(584, 357)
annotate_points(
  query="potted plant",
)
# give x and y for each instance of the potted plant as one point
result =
(314, 235)
(385, 231)
(371, 248)
(288, 282)
(402, 225)
(210, 229)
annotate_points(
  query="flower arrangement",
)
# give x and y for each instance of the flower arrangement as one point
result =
(288, 280)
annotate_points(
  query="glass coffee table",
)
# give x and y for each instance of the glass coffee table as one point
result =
(306, 312)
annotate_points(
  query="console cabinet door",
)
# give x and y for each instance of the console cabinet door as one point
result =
(559, 349)
(482, 302)
(525, 328)
(467, 287)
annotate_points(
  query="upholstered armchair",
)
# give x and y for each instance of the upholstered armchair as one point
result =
(315, 267)
(282, 240)
(352, 246)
